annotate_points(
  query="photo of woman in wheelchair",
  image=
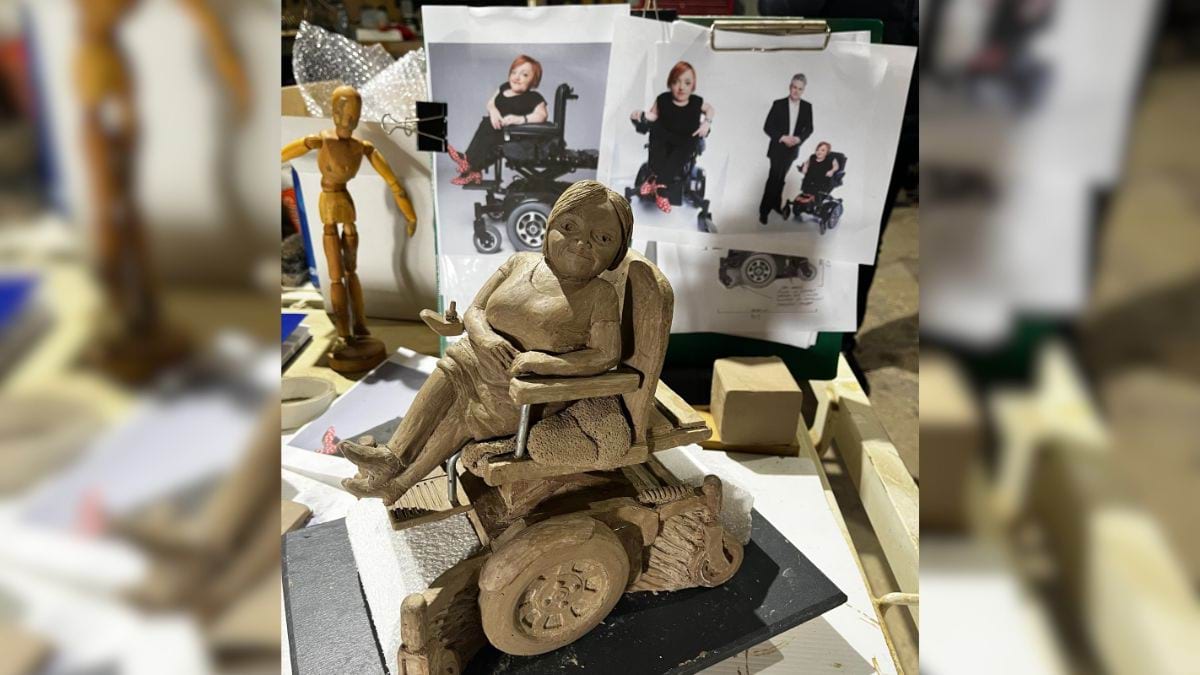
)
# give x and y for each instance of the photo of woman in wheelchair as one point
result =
(677, 121)
(514, 102)
(823, 171)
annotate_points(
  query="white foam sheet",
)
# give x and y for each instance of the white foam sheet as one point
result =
(325, 501)
(789, 494)
(392, 564)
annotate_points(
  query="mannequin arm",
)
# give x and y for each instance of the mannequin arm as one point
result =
(299, 148)
(398, 192)
(221, 50)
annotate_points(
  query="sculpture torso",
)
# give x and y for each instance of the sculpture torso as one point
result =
(338, 159)
(533, 310)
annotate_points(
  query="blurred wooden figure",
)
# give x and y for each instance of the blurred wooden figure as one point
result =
(134, 341)
(339, 156)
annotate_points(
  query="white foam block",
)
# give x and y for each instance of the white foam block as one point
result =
(392, 564)
(736, 502)
(326, 502)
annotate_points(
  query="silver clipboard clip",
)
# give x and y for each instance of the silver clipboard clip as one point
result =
(779, 27)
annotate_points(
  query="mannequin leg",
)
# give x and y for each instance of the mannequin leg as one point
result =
(358, 316)
(337, 288)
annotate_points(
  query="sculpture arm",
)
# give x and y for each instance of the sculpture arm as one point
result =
(601, 355)
(479, 331)
(398, 192)
(603, 350)
(299, 148)
(222, 52)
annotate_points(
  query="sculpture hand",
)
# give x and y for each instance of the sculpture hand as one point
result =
(524, 363)
(497, 350)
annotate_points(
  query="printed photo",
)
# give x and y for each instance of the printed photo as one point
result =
(523, 124)
(754, 149)
(757, 293)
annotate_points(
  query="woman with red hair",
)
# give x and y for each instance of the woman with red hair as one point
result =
(515, 102)
(680, 119)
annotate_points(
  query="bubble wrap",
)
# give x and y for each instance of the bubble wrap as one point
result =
(324, 61)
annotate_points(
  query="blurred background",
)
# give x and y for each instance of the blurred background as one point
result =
(1059, 336)
(138, 279)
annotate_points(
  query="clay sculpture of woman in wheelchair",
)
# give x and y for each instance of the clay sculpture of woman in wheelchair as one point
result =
(677, 122)
(823, 171)
(575, 338)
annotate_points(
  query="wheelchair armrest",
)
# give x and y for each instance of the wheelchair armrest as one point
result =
(438, 323)
(545, 389)
(540, 130)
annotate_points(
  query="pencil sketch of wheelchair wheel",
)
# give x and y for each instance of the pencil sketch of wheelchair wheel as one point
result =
(806, 270)
(527, 225)
(551, 584)
(489, 240)
(759, 270)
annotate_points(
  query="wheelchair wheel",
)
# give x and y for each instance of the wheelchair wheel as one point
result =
(759, 270)
(806, 270)
(488, 241)
(551, 584)
(835, 214)
(527, 226)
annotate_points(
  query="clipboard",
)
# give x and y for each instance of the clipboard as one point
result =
(688, 364)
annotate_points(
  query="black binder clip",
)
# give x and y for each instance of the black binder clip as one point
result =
(429, 125)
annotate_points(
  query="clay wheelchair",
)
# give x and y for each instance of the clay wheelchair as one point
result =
(562, 544)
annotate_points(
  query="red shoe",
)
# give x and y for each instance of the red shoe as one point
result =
(648, 188)
(467, 179)
(458, 159)
(663, 203)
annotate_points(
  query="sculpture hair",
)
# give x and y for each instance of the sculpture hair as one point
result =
(588, 192)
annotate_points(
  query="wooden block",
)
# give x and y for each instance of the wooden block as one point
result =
(552, 389)
(755, 401)
(24, 653)
(292, 515)
(715, 442)
(952, 438)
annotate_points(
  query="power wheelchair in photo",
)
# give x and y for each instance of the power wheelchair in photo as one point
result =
(820, 206)
(539, 155)
(691, 188)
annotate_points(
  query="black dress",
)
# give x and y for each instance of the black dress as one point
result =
(815, 180)
(671, 139)
(486, 142)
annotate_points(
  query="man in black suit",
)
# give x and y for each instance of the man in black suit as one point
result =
(788, 125)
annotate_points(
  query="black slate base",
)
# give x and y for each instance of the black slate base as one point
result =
(776, 589)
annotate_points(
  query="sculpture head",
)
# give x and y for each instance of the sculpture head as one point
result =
(347, 106)
(588, 231)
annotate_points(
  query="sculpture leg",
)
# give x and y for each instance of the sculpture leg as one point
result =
(449, 436)
(432, 402)
(350, 257)
(379, 479)
(337, 287)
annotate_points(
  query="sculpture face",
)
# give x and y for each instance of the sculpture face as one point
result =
(582, 242)
(347, 106)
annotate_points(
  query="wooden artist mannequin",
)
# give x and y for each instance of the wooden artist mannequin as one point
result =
(134, 340)
(544, 314)
(339, 155)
